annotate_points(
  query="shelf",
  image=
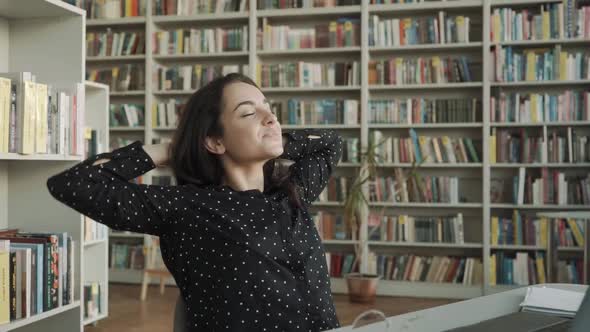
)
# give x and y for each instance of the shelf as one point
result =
(431, 165)
(430, 86)
(348, 164)
(426, 47)
(38, 156)
(312, 89)
(540, 124)
(427, 205)
(126, 93)
(126, 235)
(515, 247)
(11, 9)
(541, 165)
(115, 21)
(309, 12)
(539, 83)
(320, 126)
(91, 320)
(217, 17)
(339, 242)
(497, 3)
(218, 55)
(337, 204)
(502, 288)
(539, 207)
(570, 249)
(124, 129)
(94, 242)
(174, 92)
(164, 128)
(26, 321)
(424, 6)
(548, 42)
(118, 58)
(424, 125)
(318, 51)
(426, 245)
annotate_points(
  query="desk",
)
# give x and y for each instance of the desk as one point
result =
(458, 314)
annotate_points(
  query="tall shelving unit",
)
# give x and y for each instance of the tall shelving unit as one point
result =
(46, 38)
(475, 178)
(95, 252)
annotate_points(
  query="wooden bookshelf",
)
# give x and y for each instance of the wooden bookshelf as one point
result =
(483, 88)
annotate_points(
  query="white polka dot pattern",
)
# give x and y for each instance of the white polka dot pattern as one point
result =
(243, 260)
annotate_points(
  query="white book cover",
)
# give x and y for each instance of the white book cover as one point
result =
(521, 181)
(552, 301)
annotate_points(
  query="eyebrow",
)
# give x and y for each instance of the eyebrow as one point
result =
(248, 102)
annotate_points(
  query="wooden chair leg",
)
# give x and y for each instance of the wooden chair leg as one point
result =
(144, 286)
(162, 285)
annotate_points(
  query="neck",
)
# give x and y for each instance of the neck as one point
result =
(243, 177)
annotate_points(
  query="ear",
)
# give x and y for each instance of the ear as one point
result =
(214, 145)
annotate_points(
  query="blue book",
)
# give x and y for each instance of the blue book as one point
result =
(37, 252)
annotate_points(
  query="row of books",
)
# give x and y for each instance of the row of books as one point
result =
(94, 230)
(196, 7)
(516, 107)
(39, 118)
(200, 41)
(336, 189)
(36, 274)
(118, 142)
(570, 271)
(111, 43)
(509, 65)
(516, 146)
(93, 299)
(420, 149)
(520, 229)
(330, 226)
(549, 21)
(569, 232)
(440, 29)
(306, 74)
(343, 32)
(522, 269)
(420, 70)
(418, 189)
(126, 115)
(351, 150)
(404, 228)
(424, 110)
(568, 147)
(551, 187)
(191, 77)
(165, 114)
(127, 77)
(432, 269)
(285, 4)
(126, 256)
(316, 112)
(341, 264)
(108, 9)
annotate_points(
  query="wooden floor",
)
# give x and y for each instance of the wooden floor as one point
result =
(128, 314)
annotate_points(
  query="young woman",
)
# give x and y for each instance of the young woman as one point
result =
(236, 235)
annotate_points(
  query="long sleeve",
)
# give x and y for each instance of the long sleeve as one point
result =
(315, 159)
(103, 192)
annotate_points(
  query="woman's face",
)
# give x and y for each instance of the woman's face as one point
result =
(251, 130)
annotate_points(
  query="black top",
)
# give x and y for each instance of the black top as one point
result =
(243, 260)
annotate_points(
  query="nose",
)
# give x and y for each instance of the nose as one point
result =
(269, 118)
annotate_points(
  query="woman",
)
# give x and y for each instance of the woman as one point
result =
(237, 238)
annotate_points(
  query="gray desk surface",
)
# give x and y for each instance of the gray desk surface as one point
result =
(458, 314)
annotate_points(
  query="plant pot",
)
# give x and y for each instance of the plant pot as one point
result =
(362, 288)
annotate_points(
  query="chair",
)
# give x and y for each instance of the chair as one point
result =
(153, 266)
(180, 315)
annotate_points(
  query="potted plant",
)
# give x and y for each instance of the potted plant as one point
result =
(362, 286)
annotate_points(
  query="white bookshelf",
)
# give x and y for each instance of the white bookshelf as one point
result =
(44, 37)
(95, 253)
(479, 207)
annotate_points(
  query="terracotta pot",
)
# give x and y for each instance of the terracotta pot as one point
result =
(362, 288)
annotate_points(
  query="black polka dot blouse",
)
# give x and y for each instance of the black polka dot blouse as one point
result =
(243, 260)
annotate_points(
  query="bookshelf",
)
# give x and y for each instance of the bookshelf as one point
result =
(44, 37)
(475, 177)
